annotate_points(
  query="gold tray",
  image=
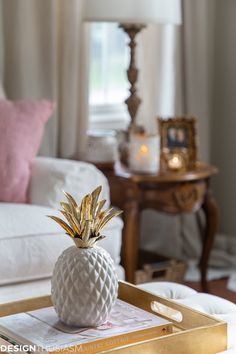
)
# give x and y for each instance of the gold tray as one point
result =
(194, 332)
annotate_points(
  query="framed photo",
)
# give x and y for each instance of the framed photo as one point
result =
(178, 143)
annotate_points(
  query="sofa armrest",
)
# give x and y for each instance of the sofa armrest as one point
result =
(50, 176)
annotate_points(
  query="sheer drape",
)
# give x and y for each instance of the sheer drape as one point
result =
(210, 81)
(161, 90)
(44, 49)
(176, 71)
(201, 63)
(159, 60)
(198, 64)
(175, 79)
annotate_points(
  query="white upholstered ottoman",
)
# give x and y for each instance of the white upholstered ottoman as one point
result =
(213, 305)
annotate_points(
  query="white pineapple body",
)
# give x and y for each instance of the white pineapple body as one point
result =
(84, 286)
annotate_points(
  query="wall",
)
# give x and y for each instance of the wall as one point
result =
(223, 123)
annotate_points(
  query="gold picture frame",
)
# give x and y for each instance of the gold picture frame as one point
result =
(178, 143)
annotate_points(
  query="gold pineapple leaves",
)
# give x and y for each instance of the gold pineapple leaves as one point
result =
(85, 222)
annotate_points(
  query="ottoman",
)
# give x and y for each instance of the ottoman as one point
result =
(213, 305)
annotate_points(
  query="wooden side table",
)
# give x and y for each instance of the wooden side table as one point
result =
(172, 193)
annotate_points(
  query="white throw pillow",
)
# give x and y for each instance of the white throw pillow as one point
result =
(50, 176)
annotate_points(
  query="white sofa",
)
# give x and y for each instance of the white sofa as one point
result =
(30, 243)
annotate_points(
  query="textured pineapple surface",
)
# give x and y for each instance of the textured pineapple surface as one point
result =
(84, 286)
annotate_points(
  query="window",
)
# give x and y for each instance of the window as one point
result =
(108, 84)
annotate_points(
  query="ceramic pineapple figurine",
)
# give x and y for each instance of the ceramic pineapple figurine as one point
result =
(84, 281)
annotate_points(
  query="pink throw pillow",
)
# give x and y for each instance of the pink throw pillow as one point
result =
(21, 131)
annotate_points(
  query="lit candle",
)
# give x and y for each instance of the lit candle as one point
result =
(175, 162)
(144, 153)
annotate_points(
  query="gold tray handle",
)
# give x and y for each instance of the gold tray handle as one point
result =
(166, 311)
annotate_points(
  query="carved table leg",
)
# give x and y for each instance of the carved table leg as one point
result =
(130, 239)
(211, 211)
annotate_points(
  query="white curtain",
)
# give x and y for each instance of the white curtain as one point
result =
(161, 89)
(44, 48)
(198, 64)
(224, 113)
(198, 78)
(175, 79)
(159, 86)
(176, 71)
(210, 84)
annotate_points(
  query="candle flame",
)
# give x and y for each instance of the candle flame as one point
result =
(176, 159)
(175, 162)
(144, 149)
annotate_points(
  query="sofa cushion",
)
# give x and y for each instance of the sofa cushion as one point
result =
(30, 243)
(207, 303)
(49, 176)
(169, 290)
(21, 130)
(35, 288)
(211, 304)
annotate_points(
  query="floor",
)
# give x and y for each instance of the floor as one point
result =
(217, 287)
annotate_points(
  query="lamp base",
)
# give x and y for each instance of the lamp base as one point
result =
(133, 101)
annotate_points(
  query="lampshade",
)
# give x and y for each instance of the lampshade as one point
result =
(133, 11)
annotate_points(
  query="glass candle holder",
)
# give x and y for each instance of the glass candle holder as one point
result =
(102, 146)
(144, 153)
(175, 162)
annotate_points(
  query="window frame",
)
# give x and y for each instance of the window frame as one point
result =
(108, 116)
